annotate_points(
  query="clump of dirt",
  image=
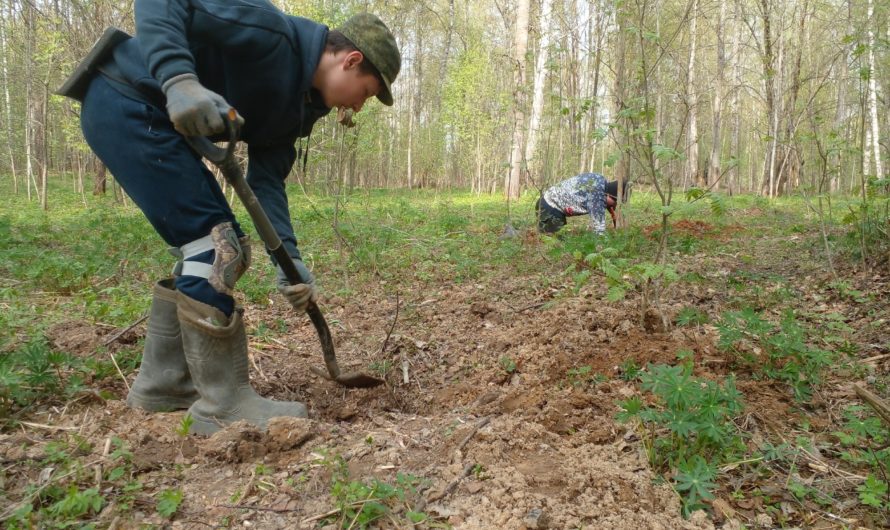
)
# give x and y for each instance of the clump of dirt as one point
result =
(76, 337)
(286, 434)
(81, 338)
(239, 442)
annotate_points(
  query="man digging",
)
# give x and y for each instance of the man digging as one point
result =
(584, 194)
(190, 63)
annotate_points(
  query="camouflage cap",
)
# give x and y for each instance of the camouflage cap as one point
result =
(371, 36)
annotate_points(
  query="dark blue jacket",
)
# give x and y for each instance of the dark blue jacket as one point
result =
(259, 59)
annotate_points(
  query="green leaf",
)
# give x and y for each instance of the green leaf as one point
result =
(630, 408)
(695, 478)
(168, 502)
(694, 194)
(615, 293)
(663, 152)
(718, 205)
(873, 491)
(116, 473)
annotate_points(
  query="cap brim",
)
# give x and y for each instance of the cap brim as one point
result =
(385, 94)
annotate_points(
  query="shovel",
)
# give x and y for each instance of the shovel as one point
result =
(224, 159)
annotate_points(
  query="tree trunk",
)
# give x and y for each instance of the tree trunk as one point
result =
(531, 159)
(622, 139)
(4, 50)
(594, 94)
(734, 174)
(100, 181)
(29, 104)
(873, 92)
(443, 67)
(410, 138)
(520, 46)
(717, 102)
(789, 169)
(692, 173)
(768, 62)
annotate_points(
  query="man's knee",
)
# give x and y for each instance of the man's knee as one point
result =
(220, 257)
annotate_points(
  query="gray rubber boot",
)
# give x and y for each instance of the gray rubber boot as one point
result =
(163, 383)
(216, 351)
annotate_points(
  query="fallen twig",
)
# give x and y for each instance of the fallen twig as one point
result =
(335, 511)
(257, 366)
(422, 503)
(481, 423)
(532, 306)
(392, 327)
(875, 358)
(120, 333)
(47, 427)
(258, 508)
(876, 403)
(116, 336)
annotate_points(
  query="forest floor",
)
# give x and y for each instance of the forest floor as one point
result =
(525, 386)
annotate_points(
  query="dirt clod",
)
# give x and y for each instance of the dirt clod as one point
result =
(536, 519)
(238, 442)
(286, 434)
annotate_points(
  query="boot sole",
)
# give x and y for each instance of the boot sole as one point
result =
(209, 426)
(206, 427)
(159, 404)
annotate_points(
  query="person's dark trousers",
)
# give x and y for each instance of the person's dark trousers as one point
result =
(164, 177)
(550, 219)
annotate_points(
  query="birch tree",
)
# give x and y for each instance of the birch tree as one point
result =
(692, 173)
(873, 91)
(539, 82)
(520, 46)
(719, 90)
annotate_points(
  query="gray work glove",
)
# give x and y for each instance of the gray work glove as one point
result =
(298, 295)
(194, 110)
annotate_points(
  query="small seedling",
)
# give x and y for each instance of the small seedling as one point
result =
(629, 370)
(691, 316)
(873, 492)
(185, 425)
(362, 502)
(507, 364)
(691, 430)
(169, 501)
(380, 367)
(581, 376)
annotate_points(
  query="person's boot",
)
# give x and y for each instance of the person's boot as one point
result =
(163, 383)
(216, 351)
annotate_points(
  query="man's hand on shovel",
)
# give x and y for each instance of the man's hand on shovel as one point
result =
(299, 295)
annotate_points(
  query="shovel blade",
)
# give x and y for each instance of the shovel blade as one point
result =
(358, 380)
(349, 380)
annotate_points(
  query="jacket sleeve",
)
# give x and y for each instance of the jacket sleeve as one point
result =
(267, 169)
(596, 208)
(167, 30)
